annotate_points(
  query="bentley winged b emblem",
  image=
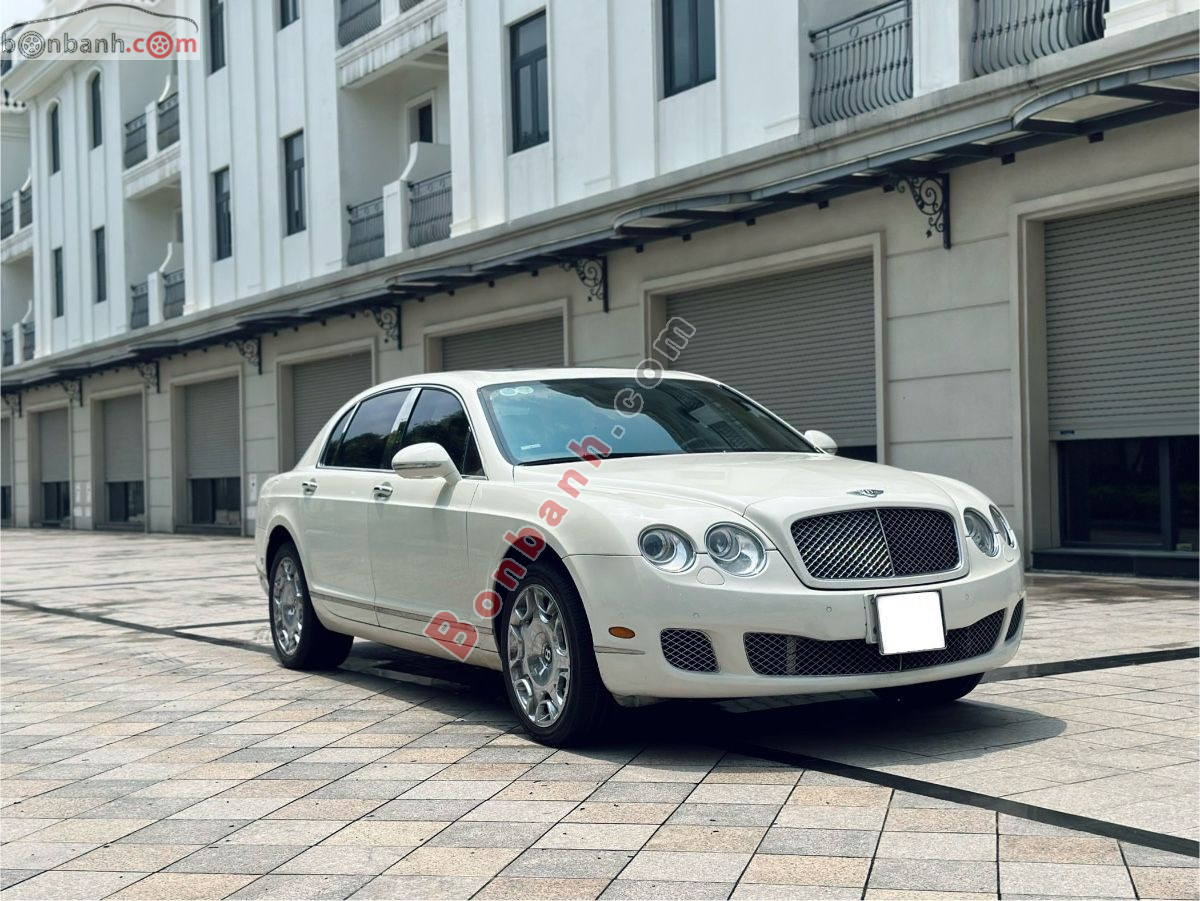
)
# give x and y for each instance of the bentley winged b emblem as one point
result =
(867, 492)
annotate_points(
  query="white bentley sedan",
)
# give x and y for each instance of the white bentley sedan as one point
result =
(599, 539)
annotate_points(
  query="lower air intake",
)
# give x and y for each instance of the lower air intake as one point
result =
(688, 649)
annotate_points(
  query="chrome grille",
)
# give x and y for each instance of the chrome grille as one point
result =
(1014, 624)
(688, 649)
(772, 654)
(877, 543)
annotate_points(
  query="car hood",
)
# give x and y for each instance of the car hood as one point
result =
(783, 484)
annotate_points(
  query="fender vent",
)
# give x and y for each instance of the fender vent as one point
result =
(688, 649)
(1014, 624)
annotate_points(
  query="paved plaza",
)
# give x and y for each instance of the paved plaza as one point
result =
(153, 748)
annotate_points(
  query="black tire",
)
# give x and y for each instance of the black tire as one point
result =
(588, 706)
(928, 694)
(318, 647)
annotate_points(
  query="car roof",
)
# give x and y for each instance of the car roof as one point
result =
(471, 379)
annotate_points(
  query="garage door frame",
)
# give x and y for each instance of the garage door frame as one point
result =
(179, 467)
(34, 457)
(432, 334)
(97, 400)
(656, 291)
(284, 398)
(1035, 474)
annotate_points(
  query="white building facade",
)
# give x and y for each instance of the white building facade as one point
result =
(958, 235)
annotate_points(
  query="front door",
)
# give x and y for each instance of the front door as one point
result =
(337, 495)
(418, 533)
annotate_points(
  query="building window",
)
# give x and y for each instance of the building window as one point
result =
(222, 214)
(289, 12)
(6, 514)
(96, 110)
(1130, 493)
(422, 123)
(100, 265)
(57, 263)
(293, 182)
(530, 83)
(216, 502)
(689, 44)
(126, 502)
(55, 152)
(216, 35)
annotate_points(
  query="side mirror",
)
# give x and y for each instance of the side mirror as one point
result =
(424, 461)
(821, 440)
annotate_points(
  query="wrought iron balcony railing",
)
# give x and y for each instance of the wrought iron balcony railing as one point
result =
(6, 218)
(27, 340)
(356, 18)
(430, 209)
(139, 305)
(168, 121)
(8, 347)
(1014, 32)
(863, 63)
(173, 294)
(25, 210)
(135, 140)
(366, 231)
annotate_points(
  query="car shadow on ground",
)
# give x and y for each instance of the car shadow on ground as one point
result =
(856, 728)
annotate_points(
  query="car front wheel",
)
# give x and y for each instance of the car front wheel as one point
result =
(551, 677)
(927, 694)
(301, 640)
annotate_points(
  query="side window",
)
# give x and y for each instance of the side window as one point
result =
(438, 417)
(362, 445)
(335, 438)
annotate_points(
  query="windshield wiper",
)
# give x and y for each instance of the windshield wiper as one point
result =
(614, 456)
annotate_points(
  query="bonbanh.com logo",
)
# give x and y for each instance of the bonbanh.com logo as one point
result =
(105, 30)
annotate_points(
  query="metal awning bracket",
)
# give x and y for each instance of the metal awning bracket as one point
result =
(388, 320)
(931, 194)
(592, 272)
(250, 350)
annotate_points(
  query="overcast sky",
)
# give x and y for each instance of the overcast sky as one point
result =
(19, 10)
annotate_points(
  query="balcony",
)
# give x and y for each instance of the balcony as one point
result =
(356, 18)
(168, 121)
(1015, 32)
(378, 35)
(863, 63)
(430, 210)
(16, 215)
(173, 294)
(139, 305)
(136, 147)
(366, 232)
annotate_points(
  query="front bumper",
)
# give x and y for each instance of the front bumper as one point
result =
(628, 592)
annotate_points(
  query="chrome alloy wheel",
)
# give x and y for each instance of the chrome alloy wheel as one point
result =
(539, 662)
(287, 606)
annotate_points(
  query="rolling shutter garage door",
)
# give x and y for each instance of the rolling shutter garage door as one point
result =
(319, 388)
(1121, 322)
(54, 446)
(213, 433)
(801, 343)
(525, 345)
(123, 439)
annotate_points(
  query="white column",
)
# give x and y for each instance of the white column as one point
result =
(1124, 15)
(941, 35)
(154, 296)
(395, 217)
(151, 129)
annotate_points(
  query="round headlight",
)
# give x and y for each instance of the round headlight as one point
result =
(1002, 526)
(667, 549)
(735, 550)
(980, 531)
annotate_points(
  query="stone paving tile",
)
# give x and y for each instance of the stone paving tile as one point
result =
(686, 866)
(349, 860)
(317, 888)
(1060, 849)
(810, 870)
(1165, 882)
(183, 886)
(130, 857)
(819, 842)
(672, 837)
(529, 887)
(221, 858)
(569, 864)
(635, 889)
(1065, 879)
(489, 835)
(934, 875)
(596, 836)
(72, 884)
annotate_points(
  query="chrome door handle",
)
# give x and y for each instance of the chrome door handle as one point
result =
(309, 487)
(382, 491)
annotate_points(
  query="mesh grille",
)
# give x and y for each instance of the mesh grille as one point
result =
(688, 649)
(883, 543)
(1014, 624)
(771, 654)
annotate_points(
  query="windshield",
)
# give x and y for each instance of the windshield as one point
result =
(534, 421)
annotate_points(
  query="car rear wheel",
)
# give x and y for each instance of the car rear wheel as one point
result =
(927, 694)
(551, 677)
(301, 640)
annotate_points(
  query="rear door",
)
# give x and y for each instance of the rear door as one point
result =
(337, 494)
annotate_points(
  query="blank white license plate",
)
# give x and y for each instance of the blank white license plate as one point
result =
(910, 622)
